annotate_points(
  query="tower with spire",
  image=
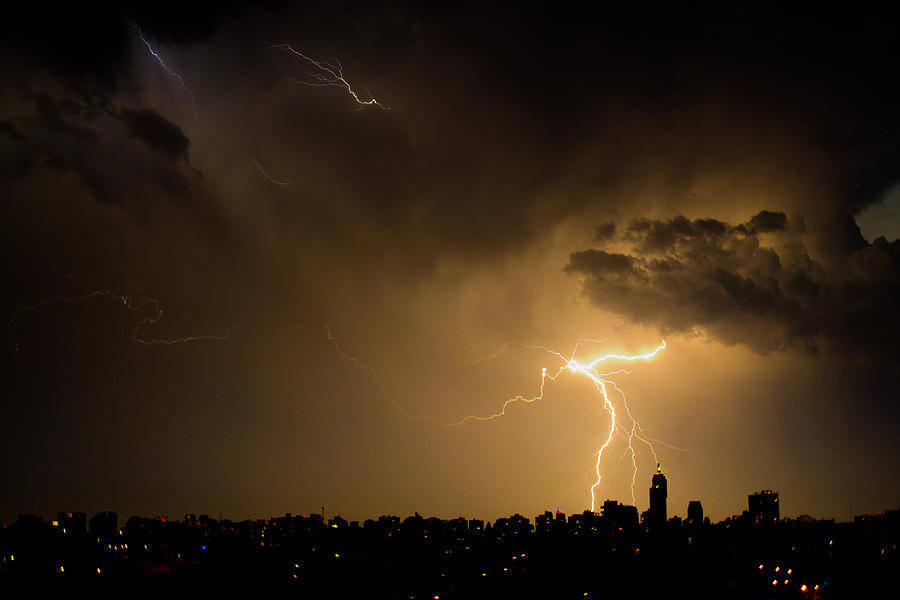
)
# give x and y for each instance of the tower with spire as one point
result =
(658, 494)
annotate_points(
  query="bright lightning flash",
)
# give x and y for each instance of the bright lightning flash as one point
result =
(328, 75)
(130, 304)
(601, 383)
(590, 369)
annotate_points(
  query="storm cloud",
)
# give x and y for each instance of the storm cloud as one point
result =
(697, 170)
(157, 132)
(737, 286)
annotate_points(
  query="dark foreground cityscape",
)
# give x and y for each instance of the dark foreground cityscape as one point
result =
(610, 554)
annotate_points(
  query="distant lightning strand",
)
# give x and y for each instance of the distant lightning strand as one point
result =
(329, 75)
(374, 374)
(486, 361)
(667, 445)
(266, 175)
(166, 67)
(184, 86)
(588, 369)
(131, 305)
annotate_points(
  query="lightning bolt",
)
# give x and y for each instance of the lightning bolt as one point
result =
(601, 381)
(132, 305)
(168, 70)
(328, 75)
(567, 365)
(634, 432)
(184, 86)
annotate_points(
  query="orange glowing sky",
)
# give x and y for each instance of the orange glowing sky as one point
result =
(725, 180)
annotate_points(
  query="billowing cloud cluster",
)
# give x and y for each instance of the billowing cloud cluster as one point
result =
(752, 284)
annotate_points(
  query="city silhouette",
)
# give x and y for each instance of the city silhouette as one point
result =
(610, 553)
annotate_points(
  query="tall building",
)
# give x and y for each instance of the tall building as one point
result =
(695, 513)
(543, 523)
(658, 495)
(763, 506)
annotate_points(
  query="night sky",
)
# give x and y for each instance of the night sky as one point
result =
(725, 178)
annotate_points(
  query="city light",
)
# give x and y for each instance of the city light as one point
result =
(538, 547)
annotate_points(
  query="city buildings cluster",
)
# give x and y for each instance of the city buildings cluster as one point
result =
(585, 555)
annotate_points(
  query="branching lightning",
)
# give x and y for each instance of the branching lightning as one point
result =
(132, 305)
(590, 369)
(328, 75)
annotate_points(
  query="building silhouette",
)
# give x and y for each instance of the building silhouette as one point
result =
(763, 506)
(543, 524)
(619, 516)
(590, 555)
(72, 523)
(658, 494)
(695, 513)
(104, 525)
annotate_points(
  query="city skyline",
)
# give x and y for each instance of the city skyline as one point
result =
(758, 512)
(474, 259)
(761, 503)
(580, 555)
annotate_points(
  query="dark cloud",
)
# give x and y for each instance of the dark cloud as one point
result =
(659, 236)
(493, 106)
(8, 130)
(610, 264)
(90, 41)
(766, 221)
(687, 276)
(66, 135)
(604, 232)
(160, 134)
(15, 155)
(85, 45)
(168, 21)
